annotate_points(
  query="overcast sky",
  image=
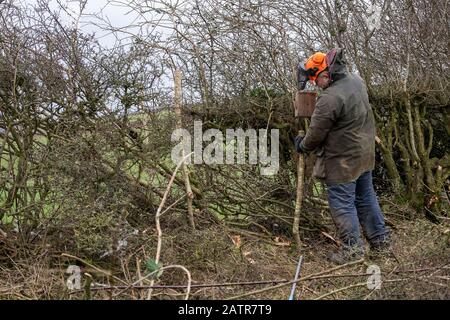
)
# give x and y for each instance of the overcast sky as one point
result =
(118, 15)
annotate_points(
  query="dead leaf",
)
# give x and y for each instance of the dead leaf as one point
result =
(282, 242)
(246, 255)
(236, 240)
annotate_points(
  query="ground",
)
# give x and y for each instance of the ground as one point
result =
(418, 268)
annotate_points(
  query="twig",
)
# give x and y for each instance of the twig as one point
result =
(216, 285)
(341, 289)
(446, 266)
(291, 282)
(370, 293)
(151, 286)
(173, 204)
(138, 270)
(212, 285)
(158, 214)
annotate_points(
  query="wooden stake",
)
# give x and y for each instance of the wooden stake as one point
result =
(299, 196)
(189, 193)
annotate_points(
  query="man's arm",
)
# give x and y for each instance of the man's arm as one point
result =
(325, 115)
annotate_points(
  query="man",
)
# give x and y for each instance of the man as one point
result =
(343, 126)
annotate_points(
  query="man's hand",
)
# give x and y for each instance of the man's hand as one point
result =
(297, 143)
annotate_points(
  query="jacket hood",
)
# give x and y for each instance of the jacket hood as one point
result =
(337, 66)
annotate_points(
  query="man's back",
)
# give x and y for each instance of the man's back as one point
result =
(350, 144)
(343, 124)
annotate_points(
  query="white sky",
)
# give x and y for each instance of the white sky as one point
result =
(118, 15)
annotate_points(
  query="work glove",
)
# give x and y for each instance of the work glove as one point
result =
(297, 142)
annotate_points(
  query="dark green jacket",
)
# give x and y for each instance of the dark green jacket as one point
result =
(343, 124)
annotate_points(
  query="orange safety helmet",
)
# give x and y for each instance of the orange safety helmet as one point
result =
(315, 65)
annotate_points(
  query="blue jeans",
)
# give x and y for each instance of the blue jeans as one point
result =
(356, 203)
